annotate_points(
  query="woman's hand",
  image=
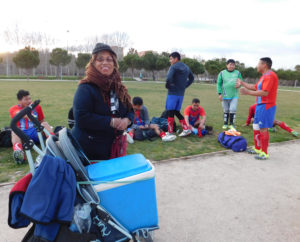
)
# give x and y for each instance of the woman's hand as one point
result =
(124, 122)
(115, 122)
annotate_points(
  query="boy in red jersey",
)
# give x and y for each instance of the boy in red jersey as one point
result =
(195, 116)
(25, 124)
(281, 124)
(265, 91)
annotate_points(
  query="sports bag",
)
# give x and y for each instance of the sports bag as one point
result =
(236, 143)
(5, 137)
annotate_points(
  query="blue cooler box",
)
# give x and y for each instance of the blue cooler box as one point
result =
(127, 190)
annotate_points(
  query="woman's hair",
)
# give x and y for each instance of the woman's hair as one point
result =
(94, 56)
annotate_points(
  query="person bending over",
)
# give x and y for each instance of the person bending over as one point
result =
(26, 125)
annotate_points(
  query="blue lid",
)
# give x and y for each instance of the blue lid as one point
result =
(115, 169)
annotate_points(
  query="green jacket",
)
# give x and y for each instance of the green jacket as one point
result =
(226, 84)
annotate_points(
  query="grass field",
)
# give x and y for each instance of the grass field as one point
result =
(57, 99)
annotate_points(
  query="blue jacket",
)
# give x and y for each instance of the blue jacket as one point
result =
(92, 122)
(178, 79)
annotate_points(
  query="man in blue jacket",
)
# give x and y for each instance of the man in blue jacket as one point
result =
(178, 79)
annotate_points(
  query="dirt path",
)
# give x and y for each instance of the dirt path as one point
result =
(220, 197)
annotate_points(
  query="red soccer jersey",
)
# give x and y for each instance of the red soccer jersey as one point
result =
(25, 123)
(194, 115)
(269, 83)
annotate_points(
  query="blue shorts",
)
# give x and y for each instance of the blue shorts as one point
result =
(32, 134)
(174, 102)
(264, 117)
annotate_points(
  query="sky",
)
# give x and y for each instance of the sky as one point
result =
(244, 30)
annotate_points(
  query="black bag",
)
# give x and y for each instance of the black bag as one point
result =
(5, 137)
(143, 134)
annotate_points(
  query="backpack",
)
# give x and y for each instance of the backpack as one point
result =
(236, 143)
(143, 134)
(5, 137)
(161, 122)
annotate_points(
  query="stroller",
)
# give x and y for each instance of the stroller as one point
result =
(117, 196)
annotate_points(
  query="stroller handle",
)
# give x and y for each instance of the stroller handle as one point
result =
(26, 111)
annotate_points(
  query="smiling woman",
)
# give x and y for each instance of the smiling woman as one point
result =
(102, 107)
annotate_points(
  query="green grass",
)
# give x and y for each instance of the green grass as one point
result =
(57, 98)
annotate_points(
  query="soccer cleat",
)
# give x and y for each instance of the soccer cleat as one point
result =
(168, 137)
(185, 132)
(272, 129)
(262, 156)
(19, 156)
(129, 138)
(231, 127)
(253, 151)
(225, 126)
(295, 133)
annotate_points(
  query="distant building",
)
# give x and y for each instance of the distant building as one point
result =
(142, 53)
(119, 51)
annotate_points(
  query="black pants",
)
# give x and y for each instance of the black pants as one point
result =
(172, 113)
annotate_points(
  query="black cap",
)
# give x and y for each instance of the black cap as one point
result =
(100, 47)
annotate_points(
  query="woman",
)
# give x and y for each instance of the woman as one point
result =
(102, 107)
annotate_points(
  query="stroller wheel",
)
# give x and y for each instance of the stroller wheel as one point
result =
(145, 237)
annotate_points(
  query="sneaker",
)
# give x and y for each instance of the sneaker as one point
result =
(262, 156)
(253, 151)
(272, 130)
(185, 132)
(231, 127)
(19, 156)
(295, 133)
(225, 126)
(129, 137)
(168, 137)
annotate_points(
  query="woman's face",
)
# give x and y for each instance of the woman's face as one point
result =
(104, 63)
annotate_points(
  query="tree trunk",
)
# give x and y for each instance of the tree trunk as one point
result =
(61, 72)
(153, 75)
(57, 72)
(46, 69)
(132, 73)
(7, 66)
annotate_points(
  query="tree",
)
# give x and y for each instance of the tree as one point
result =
(249, 72)
(287, 74)
(82, 60)
(27, 58)
(196, 67)
(149, 62)
(214, 66)
(297, 68)
(154, 62)
(122, 66)
(59, 58)
(162, 63)
(133, 61)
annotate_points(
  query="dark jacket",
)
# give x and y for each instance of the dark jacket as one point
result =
(178, 79)
(92, 122)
